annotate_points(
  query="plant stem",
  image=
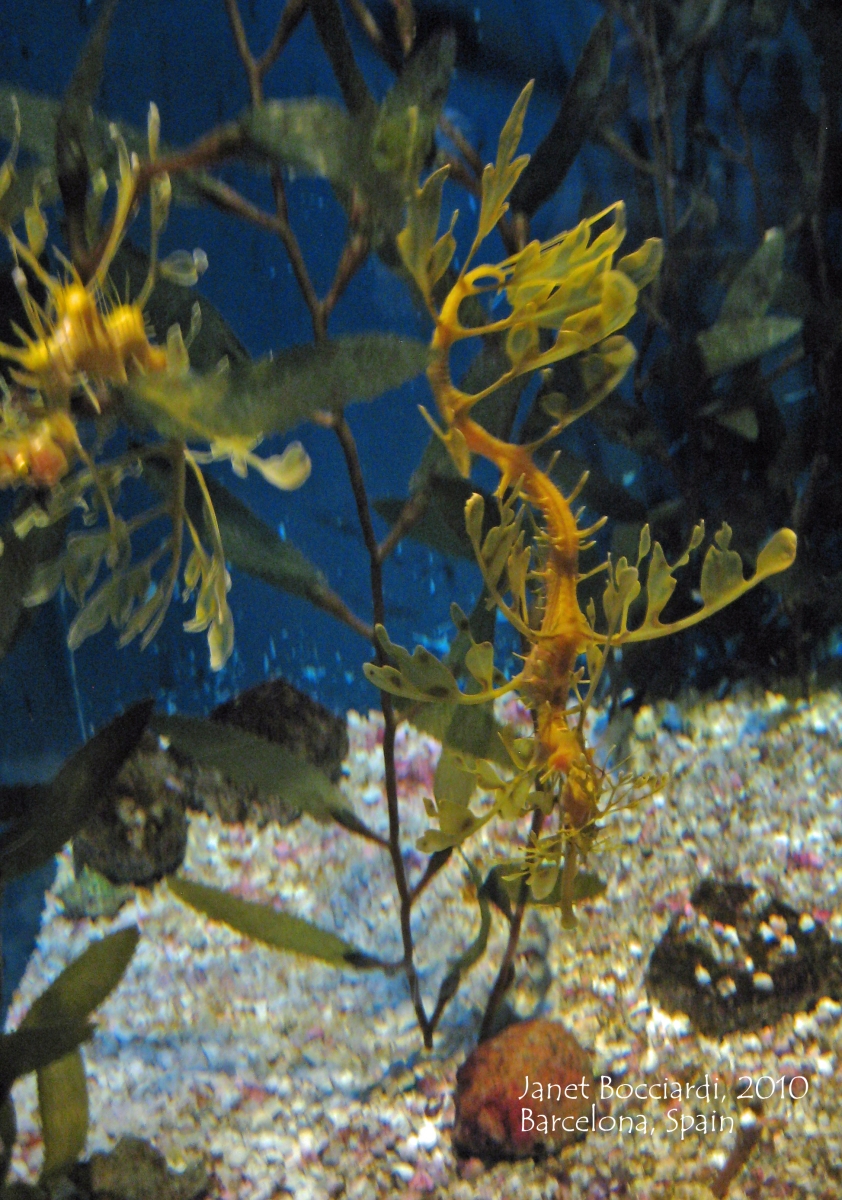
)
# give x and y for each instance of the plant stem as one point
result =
(412, 512)
(352, 461)
(504, 976)
(330, 26)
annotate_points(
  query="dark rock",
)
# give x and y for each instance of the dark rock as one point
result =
(277, 711)
(490, 1114)
(135, 1170)
(737, 960)
(139, 834)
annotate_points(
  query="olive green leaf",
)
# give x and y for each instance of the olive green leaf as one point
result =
(246, 758)
(273, 395)
(309, 137)
(58, 809)
(86, 982)
(373, 156)
(742, 421)
(30, 1049)
(276, 929)
(743, 332)
(580, 107)
(406, 123)
(729, 344)
(755, 285)
(62, 1090)
(63, 1110)
(416, 676)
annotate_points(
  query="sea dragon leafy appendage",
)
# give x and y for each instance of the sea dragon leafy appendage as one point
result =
(571, 287)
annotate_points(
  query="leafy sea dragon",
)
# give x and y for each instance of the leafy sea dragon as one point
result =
(83, 341)
(570, 286)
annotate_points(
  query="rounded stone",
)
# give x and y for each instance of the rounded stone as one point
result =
(139, 833)
(519, 1094)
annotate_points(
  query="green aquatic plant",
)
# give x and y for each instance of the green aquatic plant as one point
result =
(37, 820)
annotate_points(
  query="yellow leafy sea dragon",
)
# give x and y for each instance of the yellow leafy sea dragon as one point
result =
(83, 341)
(571, 287)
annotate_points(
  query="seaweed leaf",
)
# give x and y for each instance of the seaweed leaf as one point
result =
(25, 560)
(86, 982)
(730, 344)
(309, 137)
(743, 332)
(58, 809)
(406, 123)
(67, 1002)
(272, 395)
(63, 1110)
(276, 929)
(502, 887)
(29, 1049)
(274, 770)
(754, 288)
(576, 117)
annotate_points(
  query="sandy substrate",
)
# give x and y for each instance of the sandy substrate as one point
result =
(290, 1078)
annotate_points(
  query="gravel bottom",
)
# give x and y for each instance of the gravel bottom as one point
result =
(291, 1078)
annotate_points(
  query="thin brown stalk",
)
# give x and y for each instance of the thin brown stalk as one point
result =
(623, 150)
(296, 258)
(241, 42)
(504, 976)
(470, 155)
(412, 512)
(747, 157)
(352, 462)
(353, 256)
(374, 33)
(747, 1139)
(288, 23)
(330, 26)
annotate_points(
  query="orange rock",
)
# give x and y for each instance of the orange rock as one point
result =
(527, 1091)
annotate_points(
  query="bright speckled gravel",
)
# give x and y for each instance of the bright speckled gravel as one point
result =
(293, 1079)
